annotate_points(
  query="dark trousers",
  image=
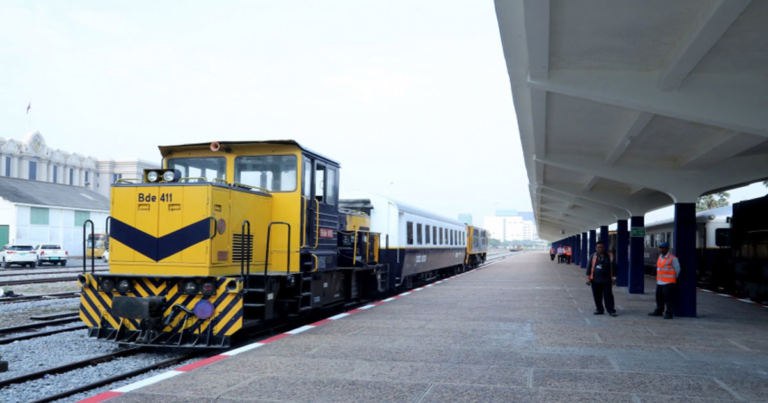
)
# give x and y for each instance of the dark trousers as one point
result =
(603, 291)
(552, 257)
(665, 295)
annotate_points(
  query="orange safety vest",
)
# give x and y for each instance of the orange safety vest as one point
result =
(568, 251)
(665, 271)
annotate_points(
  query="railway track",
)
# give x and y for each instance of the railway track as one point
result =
(50, 320)
(112, 379)
(38, 280)
(39, 273)
(24, 298)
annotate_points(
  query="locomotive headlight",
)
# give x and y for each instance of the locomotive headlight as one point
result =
(169, 176)
(208, 288)
(107, 285)
(190, 287)
(123, 286)
(152, 176)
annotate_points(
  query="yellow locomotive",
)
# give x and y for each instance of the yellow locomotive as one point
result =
(225, 237)
(234, 235)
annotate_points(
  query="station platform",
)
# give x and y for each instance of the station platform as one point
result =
(519, 329)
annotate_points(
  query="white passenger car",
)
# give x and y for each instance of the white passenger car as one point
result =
(18, 254)
(51, 253)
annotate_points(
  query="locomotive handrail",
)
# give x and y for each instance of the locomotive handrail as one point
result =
(245, 244)
(93, 259)
(304, 208)
(215, 227)
(127, 180)
(250, 187)
(107, 227)
(190, 178)
(317, 223)
(269, 237)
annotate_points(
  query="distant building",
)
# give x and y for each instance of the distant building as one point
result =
(46, 194)
(32, 159)
(38, 212)
(511, 226)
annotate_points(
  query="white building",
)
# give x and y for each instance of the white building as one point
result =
(510, 228)
(35, 212)
(32, 159)
(46, 194)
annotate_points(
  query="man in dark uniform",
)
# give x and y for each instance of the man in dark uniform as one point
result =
(601, 276)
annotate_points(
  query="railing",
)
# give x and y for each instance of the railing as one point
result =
(93, 238)
(245, 249)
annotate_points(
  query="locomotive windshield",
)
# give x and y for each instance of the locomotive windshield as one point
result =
(210, 168)
(276, 173)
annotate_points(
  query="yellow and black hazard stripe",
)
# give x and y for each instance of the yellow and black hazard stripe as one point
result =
(227, 301)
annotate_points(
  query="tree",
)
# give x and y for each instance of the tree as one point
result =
(714, 200)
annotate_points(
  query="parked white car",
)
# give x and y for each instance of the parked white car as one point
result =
(18, 254)
(51, 253)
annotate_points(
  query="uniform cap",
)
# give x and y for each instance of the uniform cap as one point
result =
(664, 245)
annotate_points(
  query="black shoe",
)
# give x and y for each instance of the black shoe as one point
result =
(614, 314)
(654, 313)
(667, 315)
(598, 312)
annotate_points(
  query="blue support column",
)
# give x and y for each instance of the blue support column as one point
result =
(604, 237)
(584, 251)
(636, 250)
(592, 243)
(622, 250)
(572, 242)
(577, 249)
(685, 250)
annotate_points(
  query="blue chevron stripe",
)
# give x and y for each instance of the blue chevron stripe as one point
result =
(158, 249)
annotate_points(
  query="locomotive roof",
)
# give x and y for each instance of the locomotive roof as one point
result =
(165, 150)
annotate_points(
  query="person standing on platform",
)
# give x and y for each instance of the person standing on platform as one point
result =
(568, 254)
(560, 254)
(552, 253)
(667, 271)
(601, 276)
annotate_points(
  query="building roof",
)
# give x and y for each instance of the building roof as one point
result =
(24, 191)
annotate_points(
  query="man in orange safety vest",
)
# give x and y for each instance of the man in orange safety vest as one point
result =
(667, 271)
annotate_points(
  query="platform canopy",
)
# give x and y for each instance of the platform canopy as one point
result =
(626, 106)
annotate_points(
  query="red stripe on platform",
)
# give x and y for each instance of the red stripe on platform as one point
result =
(354, 311)
(195, 365)
(320, 322)
(274, 338)
(101, 397)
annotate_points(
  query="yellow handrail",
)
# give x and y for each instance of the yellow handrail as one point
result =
(354, 249)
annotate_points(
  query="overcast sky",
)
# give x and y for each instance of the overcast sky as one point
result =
(411, 97)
